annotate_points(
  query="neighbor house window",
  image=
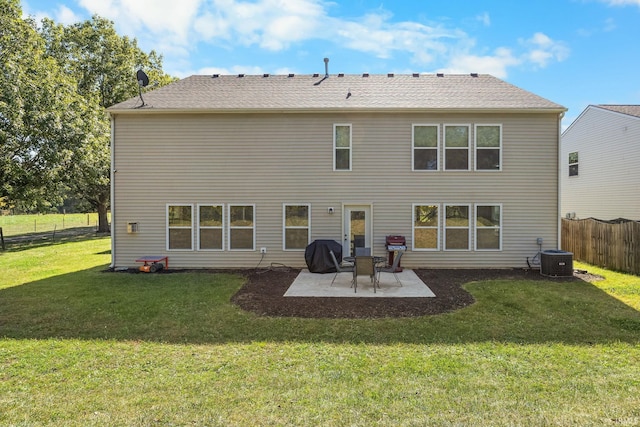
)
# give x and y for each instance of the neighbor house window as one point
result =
(342, 147)
(488, 227)
(242, 227)
(426, 234)
(179, 227)
(210, 223)
(488, 147)
(456, 144)
(426, 144)
(296, 226)
(573, 164)
(456, 227)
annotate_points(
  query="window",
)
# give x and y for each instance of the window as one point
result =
(242, 227)
(296, 226)
(426, 144)
(210, 220)
(179, 227)
(342, 147)
(456, 143)
(456, 227)
(488, 227)
(426, 235)
(488, 147)
(573, 164)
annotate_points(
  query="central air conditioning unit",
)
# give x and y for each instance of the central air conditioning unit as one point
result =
(556, 263)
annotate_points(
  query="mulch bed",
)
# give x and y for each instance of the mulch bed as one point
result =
(264, 290)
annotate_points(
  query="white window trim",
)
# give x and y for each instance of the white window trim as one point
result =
(445, 227)
(413, 228)
(335, 125)
(207, 227)
(475, 226)
(468, 148)
(476, 148)
(284, 225)
(229, 227)
(414, 148)
(166, 216)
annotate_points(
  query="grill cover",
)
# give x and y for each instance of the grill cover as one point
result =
(318, 258)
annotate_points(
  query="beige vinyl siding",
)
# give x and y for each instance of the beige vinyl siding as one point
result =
(608, 146)
(270, 159)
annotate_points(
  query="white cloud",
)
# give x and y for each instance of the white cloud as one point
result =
(66, 16)
(485, 19)
(542, 50)
(621, 2)
(495, 64)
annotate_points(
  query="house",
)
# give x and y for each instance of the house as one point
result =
(225, 171)
(599, 164)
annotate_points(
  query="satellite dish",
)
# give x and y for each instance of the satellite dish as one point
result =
(143, 81)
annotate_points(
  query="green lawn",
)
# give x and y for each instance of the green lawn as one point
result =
(13, 225)
(80, 346)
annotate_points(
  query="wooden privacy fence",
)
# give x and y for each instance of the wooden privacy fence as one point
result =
(611, 244)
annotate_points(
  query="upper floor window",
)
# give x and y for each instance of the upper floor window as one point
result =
(179, 227)
(488, 147)
(456, 144)
(242, 227)
(210, 221)
(296, 226)
(426, 144)
(342, 147)
(426, 227)
(573, 164)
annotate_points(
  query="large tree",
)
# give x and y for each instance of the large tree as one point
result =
(103, 64)
(55, 83)
(40, 114)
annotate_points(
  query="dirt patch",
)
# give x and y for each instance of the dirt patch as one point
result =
(264, 290)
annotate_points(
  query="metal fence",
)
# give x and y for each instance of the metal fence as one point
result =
(610, 244)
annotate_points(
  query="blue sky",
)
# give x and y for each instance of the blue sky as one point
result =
(573, 52)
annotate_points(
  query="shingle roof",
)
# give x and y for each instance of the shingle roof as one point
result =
(631, 110)
(417, 92)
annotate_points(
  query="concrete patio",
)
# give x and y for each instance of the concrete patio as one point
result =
(319, 285)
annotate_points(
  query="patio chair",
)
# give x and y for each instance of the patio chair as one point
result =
(364, 266)
(392, 268)
(361, 251)
(340, 268)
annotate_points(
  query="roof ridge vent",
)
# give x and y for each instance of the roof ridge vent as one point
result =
(291, 75)
(341, 75)
(265, 75)
(365, 74)
(440, 75)
(316, 75)
(215, 76)
(474, 74)
(240, 75)
(390, 75)
(416, 75)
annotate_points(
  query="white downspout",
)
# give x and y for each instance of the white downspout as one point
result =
(559, 156)
(113, 193)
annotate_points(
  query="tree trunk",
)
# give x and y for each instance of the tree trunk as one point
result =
(103, 220)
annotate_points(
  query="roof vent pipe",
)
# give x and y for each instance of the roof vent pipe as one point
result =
(326, 67)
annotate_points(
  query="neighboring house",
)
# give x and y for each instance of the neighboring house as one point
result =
(212, 169)
(600, 173)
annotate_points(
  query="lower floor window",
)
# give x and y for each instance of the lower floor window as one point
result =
(488, 227)
(210, 222)
(242, 227)
(426, 231)
(456, 227)
(179, 227)
(296, 226)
